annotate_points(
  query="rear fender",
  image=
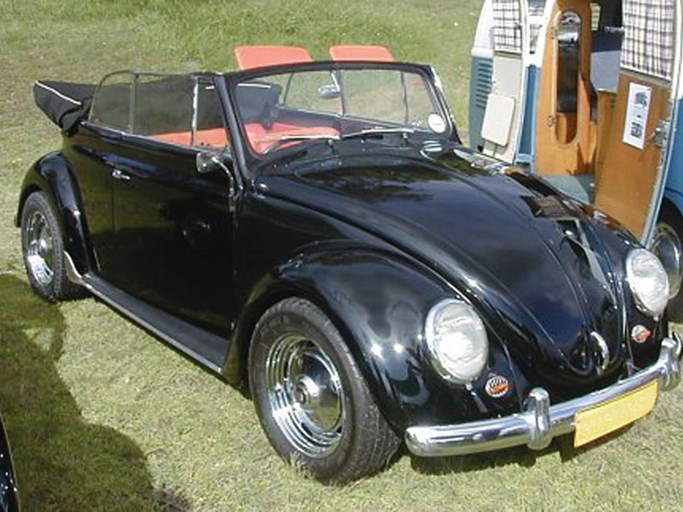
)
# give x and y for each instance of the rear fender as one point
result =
(52, 176)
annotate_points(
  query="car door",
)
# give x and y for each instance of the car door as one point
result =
(90, 151)
(173, 235)
(171, 243)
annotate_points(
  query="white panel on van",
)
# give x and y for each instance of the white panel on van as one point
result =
(498, 119)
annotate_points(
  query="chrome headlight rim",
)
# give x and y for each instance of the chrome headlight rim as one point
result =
(643, 305)
(434, 355)
(666, 245)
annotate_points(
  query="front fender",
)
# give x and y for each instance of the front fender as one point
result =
(52, 176)
(379, 302)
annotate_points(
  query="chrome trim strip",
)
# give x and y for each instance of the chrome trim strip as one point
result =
(680, 344)
(71, 271)
(540, 422)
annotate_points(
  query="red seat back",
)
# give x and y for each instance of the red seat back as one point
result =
(361, 52)
(250, 57)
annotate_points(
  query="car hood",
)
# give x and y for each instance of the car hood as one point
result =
(523, 254)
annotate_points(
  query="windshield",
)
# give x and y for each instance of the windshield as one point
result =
(286, 108)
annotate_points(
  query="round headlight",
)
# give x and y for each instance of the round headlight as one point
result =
(457, 341)
(648, 281)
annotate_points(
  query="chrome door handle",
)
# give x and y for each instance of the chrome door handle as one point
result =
(118, 174)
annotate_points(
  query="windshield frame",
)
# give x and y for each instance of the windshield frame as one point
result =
(253, 157)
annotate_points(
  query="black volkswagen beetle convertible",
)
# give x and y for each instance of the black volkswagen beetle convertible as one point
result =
(317, 230)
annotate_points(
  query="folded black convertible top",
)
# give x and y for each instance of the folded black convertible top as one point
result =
(64, 103)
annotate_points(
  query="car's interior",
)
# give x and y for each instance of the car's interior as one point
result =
(265, 121)
(586, 42)
(177, 109)
(275, 111)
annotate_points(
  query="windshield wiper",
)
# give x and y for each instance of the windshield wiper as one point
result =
(367, 133)
(377, 132)
(293, 138)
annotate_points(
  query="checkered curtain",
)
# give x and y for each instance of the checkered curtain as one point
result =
(536, 8)
(649, 37)
(507, 33)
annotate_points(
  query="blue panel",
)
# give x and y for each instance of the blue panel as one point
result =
(526, 152)
(480, 88)
(674, 180)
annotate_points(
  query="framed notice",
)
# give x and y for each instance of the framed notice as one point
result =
(636, 115)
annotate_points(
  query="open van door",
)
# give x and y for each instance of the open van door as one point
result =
(605, 104)
(498, 60)
(563, 122)
(629, 182)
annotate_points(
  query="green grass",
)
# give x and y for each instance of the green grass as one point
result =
(104, 417)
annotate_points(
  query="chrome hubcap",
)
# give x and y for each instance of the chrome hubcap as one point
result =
(305, 395)
(667, 246)
(40, 250)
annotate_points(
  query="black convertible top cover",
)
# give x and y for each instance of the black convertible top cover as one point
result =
(64, 103)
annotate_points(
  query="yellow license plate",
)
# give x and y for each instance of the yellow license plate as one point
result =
(600, 420)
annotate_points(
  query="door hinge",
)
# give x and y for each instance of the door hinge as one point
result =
(661, 134)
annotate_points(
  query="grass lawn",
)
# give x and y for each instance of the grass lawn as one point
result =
(104, 417)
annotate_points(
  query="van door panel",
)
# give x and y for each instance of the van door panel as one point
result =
(564, 143)
(625, 184)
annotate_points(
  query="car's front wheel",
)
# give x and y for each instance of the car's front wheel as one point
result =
(311, 397)
(43, 251)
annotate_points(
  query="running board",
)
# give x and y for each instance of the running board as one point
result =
(207, 349)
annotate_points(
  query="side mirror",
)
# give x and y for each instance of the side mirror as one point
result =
(209, 162)
(329, 92)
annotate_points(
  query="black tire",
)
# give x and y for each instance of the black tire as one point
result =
(326, 421)
(43, 251)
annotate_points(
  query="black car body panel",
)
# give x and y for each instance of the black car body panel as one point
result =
(53, 174)
(9, 495)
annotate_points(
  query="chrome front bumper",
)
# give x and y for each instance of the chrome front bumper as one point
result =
(540, 422)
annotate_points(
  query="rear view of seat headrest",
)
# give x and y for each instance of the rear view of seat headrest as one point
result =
(256, 101)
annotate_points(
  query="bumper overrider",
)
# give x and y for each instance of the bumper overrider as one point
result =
(540, 422)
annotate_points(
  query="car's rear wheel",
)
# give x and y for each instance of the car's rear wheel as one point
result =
(43, 251)
(311, 397)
